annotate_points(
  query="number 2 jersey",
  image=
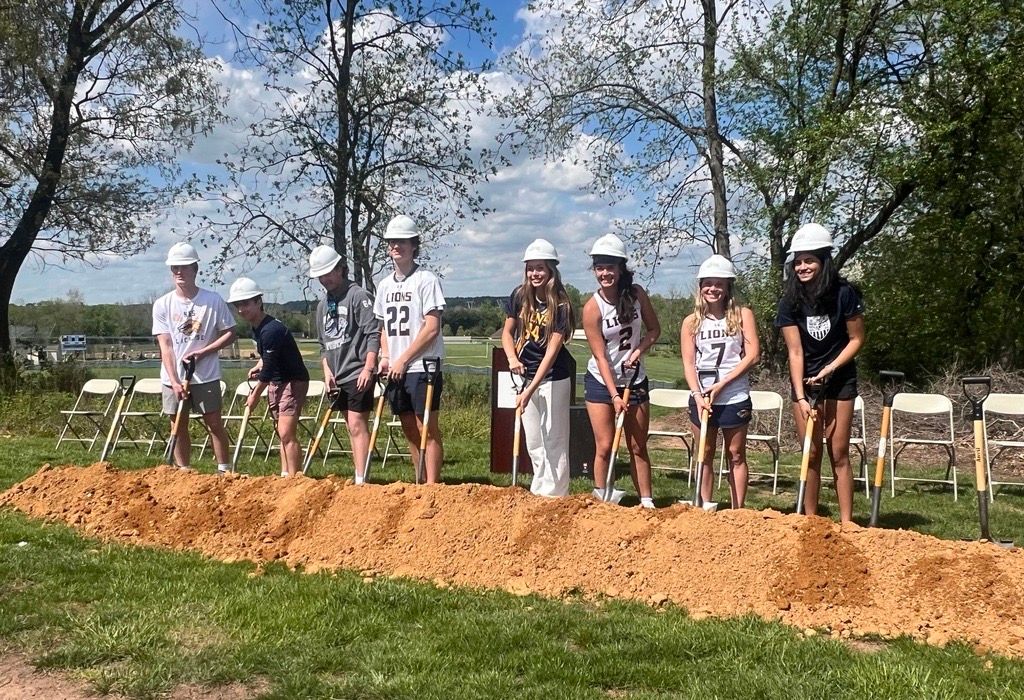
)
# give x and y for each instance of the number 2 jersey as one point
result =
(720, 352)
(621, 336)
(403, 305)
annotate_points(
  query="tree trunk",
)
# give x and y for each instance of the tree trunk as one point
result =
(342, 174)
(715, 156)
(14, 252)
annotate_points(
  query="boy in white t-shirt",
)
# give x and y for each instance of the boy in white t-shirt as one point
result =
(409, 301)
(191, 322)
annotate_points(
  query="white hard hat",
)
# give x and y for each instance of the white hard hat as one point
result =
(540, 249)
(242, 289)
(322, 260)
(181, 254)
(810, 237)
(611, 245)
(401, 226)
(717, 266)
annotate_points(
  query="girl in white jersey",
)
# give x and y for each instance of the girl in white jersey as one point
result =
(621, 326)
(720, 336)
(409, 301)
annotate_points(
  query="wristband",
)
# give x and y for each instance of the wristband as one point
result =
(802, 398)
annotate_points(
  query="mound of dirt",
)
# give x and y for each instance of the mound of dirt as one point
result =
(804, 571)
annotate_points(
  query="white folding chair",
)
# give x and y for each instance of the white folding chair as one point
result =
(392, 448)
(677, 399)
(765, 426)
(90, 412)
(143, 415)
(1002, 411)
(857, 442)
(922, 406)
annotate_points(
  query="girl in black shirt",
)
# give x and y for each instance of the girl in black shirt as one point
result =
(822, 320)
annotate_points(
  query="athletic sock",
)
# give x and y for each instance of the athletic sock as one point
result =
(598, 494)
(223, 468)
(647, 502)
(359, 479)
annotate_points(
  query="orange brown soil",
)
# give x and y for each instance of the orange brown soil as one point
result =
(803, 571)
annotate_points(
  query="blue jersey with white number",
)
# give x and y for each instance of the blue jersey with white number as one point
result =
(621, 336)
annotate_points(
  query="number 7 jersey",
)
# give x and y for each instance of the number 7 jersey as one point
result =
(720, 352)
(403, 305)
(621, 336)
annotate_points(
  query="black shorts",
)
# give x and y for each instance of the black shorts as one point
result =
(351, 399)
(839, 389)
(725, 415)
(596, 392)
(409, 395)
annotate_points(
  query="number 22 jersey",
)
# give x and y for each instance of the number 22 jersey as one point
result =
(402, 304)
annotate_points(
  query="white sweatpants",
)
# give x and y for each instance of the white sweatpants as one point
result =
(546, 425)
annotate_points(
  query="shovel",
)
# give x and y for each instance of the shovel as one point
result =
(805, 459)
(702, 442)
(611, 494)
(892, 384)
(246, 414)
(190, 369)
(333, 396)
(373, 431)
(977, 389)
(517, 429)
(127, 382)
(431, 366)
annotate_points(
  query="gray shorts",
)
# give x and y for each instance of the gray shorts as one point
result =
(202, 398)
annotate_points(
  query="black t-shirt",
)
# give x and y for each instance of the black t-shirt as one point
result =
(531, 340)
(282, 361)
(823, 335)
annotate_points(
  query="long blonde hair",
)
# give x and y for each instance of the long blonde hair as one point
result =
(554, 298)
(701, 309)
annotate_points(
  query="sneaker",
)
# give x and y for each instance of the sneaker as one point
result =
(647, 503)
(221, 471)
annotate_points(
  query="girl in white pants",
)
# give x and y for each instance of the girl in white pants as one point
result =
(539, 318)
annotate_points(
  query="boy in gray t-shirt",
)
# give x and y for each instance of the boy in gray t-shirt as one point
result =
(349, 336)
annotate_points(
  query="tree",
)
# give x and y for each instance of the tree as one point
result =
(630, 89)
(369, 120)
(98, 97)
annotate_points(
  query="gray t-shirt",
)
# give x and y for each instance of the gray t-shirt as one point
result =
(348, 331)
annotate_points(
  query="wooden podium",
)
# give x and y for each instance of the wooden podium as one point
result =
(503, 416)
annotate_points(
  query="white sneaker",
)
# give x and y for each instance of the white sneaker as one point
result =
(647, 503)
(710, 507)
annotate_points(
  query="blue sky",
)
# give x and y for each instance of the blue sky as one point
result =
(529, 199)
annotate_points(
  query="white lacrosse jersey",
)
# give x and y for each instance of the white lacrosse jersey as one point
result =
(403, 305)
(621, 337)
(192, 324)
(720, 352)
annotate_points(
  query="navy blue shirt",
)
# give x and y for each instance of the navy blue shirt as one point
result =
(823, 334)
(282, 361)
(531, 337)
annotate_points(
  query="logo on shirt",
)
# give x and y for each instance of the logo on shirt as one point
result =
(190, 325)
(818, 326)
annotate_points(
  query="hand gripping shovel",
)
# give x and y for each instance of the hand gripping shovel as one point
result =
(127, 382)
(892, 384)
(190, 369)
(431, 366)
(702, 440)
(611, 494)
(977, 389)
(246, 414)
(333, 396)
(805, 459)
(517, 429)
(374, 430)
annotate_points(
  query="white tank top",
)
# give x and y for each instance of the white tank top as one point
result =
(721, 352)
(620, 339)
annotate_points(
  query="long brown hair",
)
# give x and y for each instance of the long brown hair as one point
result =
(554, 298)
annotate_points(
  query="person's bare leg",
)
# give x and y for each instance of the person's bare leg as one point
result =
(814, 466)
(636, 426)
(839, 422)
(736, 453)
(602, 422)
(359, 435)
